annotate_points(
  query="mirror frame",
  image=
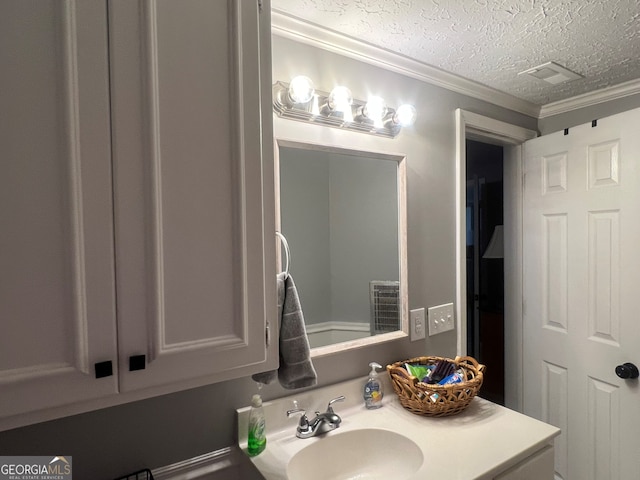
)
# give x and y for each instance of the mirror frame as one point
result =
(401, 159)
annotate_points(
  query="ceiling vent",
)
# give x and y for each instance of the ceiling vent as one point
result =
(552, 73)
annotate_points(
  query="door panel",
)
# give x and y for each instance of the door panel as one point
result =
(581, 237)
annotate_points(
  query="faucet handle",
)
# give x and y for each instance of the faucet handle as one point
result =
(304, 421)
(341, 398)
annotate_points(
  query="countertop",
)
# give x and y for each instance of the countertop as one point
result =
(478, 443)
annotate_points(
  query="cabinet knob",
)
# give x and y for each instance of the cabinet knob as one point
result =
(104, 369)
(627, 371)
(137, 362)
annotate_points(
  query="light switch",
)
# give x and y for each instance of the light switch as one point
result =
(441, 319)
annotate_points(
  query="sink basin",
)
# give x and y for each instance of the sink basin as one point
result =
(363, 454)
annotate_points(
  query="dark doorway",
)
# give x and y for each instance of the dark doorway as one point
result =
(485, 264)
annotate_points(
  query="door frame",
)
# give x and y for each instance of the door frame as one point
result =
(473, 126)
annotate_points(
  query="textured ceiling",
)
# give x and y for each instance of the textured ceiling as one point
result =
(491, 41)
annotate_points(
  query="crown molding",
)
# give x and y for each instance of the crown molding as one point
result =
(608, 94)
(293, 28)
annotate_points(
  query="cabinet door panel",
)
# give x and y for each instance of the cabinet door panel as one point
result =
(538, 466)
(189, 188)
(56, 248)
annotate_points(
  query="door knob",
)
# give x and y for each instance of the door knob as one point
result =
(627, 370)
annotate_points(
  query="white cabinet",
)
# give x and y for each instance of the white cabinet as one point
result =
(57, 293)
(538, 466)
(136, 178)
(190, 175)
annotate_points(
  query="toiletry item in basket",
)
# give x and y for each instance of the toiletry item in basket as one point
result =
(372, 392)
(443, 369)
(257, 433)
(456, 377)
(421, 372)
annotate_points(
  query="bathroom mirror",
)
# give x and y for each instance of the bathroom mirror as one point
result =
(343, 214)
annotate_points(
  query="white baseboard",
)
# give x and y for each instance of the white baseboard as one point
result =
(329, 333)
(335, 325)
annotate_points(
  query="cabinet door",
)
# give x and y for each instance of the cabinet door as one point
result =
(195, 242)
(538, 466)
(57, 294)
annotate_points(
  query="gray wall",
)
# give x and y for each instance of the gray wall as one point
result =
(150, 433)
(364, 234)
(304, 194)
(587, 114)
(340, 216)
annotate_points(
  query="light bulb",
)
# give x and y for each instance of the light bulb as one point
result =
(375, 110)
(301, 89)
(340, 99)
(405, 115)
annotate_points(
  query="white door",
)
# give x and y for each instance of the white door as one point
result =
(581, 251)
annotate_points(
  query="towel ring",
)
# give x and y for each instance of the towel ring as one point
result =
(287, 252)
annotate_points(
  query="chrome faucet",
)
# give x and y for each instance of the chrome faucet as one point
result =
(322, 423)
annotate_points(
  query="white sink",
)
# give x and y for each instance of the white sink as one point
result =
(368, 453)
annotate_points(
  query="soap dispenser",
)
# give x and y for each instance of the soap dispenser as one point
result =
(257, 436)
(372, 392)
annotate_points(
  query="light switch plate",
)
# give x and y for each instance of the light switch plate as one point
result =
(417, 324)
(441, 319)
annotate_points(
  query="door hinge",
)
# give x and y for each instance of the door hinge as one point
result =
(260, 6)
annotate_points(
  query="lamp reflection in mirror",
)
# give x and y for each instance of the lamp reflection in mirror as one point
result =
(299, 100)
(495, 249)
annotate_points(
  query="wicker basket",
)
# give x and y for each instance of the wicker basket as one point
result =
(436, 400)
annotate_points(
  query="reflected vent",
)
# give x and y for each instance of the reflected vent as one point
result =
(385, 306)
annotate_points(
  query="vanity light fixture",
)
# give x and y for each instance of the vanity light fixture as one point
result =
(299, 100)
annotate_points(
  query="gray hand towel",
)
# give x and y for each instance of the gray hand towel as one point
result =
(296, 369)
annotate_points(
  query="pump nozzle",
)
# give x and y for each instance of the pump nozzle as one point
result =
(373, 366)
